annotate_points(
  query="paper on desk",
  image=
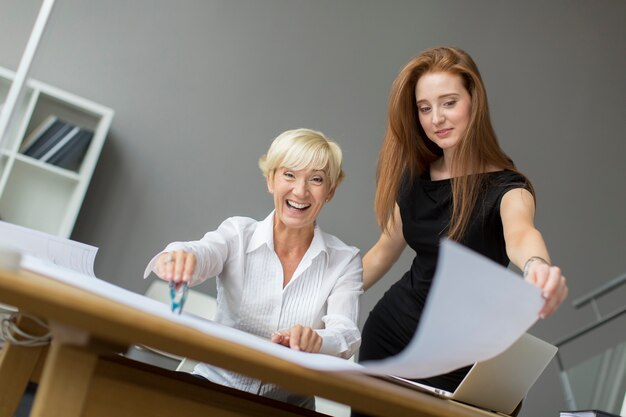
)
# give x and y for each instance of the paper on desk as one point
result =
(64, 252)
(475, 310)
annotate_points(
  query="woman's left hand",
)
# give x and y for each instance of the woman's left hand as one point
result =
(552, 283)
(300, 338)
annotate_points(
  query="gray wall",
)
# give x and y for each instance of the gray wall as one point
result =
(200, 88)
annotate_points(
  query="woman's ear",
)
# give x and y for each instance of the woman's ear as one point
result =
(330, 195)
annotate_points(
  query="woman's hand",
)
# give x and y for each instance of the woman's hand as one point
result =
(300, 338)
(176, 266)
(550, 280)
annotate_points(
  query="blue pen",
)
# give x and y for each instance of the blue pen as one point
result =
(178, 296)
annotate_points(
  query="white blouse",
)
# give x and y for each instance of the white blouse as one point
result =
(323, 292)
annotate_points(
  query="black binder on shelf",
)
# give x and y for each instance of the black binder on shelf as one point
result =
(65, 140)
(48, 139)
(587, 413)
(71, 155)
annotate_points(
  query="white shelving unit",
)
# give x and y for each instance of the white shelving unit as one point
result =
(36, 194)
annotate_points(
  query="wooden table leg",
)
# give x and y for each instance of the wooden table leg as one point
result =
(65, 381)
(17, 364)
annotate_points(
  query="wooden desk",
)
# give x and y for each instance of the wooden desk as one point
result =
(86, 326)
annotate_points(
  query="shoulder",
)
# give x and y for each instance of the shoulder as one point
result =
(336, 245)
(238, 225)
(501, 182)
(239, 222)
(509, 179)
(343, 259)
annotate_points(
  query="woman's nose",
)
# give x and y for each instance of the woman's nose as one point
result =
(300, 188)
(437, 116)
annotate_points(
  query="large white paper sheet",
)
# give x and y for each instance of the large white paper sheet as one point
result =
(476, 309)
(64, 252)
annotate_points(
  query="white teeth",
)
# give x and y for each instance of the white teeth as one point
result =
(297, 205)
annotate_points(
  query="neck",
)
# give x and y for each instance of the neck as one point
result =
(441, 169)
(292, 241)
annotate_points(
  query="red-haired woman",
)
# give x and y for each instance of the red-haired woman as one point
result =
(442, 173)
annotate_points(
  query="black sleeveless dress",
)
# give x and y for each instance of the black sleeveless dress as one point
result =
(425, 209)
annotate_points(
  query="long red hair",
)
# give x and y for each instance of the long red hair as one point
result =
(406, 149)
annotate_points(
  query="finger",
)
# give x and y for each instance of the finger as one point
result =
(179, 264)
(561, 294)
(168, 264)
(160, 265)
(548, 290)
(306, 340)
(556, 291)
(276, 338)
(552, 282)
(555, 298)
(548, 308)
(313, 341)
(281, 337)
(295, 334)
(542, 273)
(162, 261)
(190, 267)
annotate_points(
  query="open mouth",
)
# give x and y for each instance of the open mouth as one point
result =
(297, 206)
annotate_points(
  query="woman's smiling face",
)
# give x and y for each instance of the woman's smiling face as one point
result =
(299, 196)
(444, 108)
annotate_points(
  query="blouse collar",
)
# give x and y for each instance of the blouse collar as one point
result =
(264, 234)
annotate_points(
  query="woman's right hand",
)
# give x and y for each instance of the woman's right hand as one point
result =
(304, 339)
(177, 266)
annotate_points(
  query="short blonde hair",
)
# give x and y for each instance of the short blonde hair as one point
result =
(303, 148)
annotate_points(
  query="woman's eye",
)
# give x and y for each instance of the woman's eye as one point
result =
(288, 174)
(424, 109)
(317, 180)
(449, 103)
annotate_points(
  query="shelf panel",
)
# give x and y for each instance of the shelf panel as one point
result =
(69, 112)
(53, 169)
(21, 112)
(36, 199)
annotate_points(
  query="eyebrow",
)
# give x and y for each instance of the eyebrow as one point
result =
(441, 96)
(302, 169)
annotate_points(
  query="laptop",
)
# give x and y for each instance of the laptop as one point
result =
(500, 383)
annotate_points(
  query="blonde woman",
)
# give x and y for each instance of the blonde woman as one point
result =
(280, 278)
